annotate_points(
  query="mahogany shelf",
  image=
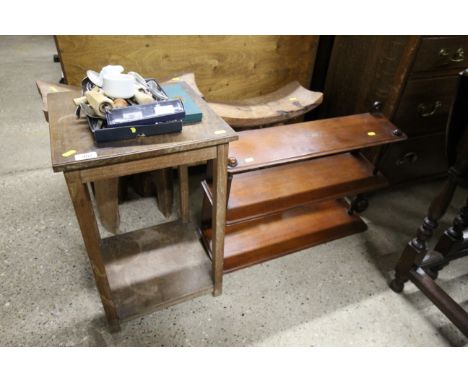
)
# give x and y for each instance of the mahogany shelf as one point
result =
(155, 267)
(274, 189)
(287, 183)
(290, 143)
(255, 241)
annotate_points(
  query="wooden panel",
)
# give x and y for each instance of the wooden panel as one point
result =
(283, 144)
(275, 189)
(364, 69)
(429, 56)
(148, 164)
(416, 158)
(226, 67)
(69, 133)
(289, 231)
(156, 267)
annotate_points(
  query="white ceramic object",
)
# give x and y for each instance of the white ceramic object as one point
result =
(98, 78)
(94, 77)
(111, 69)
(118, 85)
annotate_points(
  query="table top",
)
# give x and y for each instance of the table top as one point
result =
(69, 134)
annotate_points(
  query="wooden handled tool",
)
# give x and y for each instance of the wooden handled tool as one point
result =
(98, 101)
(78, 101)
(142, 97)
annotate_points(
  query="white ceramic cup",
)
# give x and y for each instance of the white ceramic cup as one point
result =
(111, 69)
(118, 85)
(97, 78)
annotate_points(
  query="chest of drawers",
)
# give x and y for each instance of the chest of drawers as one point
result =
(415, 78)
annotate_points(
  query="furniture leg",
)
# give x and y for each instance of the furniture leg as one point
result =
(441, 299)
(416, 248)
(164, 189)
(89, 230)
(378, 159)
(184, 193)
(447, 243)
(107, 201)
(219, 216)
(359, 204)
(123, 188)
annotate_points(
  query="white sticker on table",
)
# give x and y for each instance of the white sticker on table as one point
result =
(90, 155)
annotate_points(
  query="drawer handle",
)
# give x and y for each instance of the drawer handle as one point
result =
(410, 157)
(428, 110)
(459, 55)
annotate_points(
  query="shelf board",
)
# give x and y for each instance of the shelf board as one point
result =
(277, 145)
(156, 267)
(274, 189)
(276, 235)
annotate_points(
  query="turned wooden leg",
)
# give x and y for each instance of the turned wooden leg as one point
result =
(449, 241)
(184, 193)
(219, 216)
(164, 189)
(106, 193)
(416, 248)
(89, 230)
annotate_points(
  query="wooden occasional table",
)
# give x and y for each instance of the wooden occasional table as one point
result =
(152, 268)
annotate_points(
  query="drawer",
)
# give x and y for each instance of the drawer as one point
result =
(415, 158)
(436, 53)
(425, 105)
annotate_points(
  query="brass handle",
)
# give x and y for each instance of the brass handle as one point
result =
(410, 157)
(428, 110)
(458, 56)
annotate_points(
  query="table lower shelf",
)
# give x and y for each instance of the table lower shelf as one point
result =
(156, 267)
(271, 236)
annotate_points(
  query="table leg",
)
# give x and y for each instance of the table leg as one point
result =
(106, 192)
(89, 230)
(417, 248)
(219, 216)
(184, 193)
(164, 190)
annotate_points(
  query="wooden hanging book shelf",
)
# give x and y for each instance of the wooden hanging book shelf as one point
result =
(286, 186)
